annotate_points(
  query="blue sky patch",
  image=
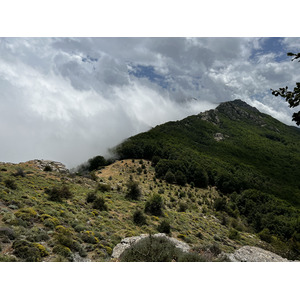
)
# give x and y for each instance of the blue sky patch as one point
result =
(272, 45)
(148, 72)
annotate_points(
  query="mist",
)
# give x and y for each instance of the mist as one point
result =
(69, 99)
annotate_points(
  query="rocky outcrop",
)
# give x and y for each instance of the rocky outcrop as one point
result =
(54, 165)
(129, 241)
(254, 254)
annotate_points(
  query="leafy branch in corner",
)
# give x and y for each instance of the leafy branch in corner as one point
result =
(292, 97)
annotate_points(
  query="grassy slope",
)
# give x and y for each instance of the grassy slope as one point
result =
(97, 232)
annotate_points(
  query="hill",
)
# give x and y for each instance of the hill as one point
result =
(53, 216)
(217, 181)
(249, 156)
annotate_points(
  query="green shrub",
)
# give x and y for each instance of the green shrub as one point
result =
(103, 187)
(89, 237)
(99, 204)
(8, 232)
(265, 235)
(133, 190)
(180, 178)
(7, 258)
(190, 257)
(19, 172)
(27, 214)
(164, 227)
(62, 250)
(30, 252)
(91, 197)
(139, 218)
(182, 207)
(170, 177)
(220, 204)
(9, 183)
(234, 234)
(150, 249)
(154, 205)
(57, 194)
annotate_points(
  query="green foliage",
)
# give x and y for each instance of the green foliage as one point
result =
(99, 204)
(62, 250)
(247, 158)
(91, 197)
(30, 252)
(104, 187)
(154, 205)
(57, 194)
(292, 97)
(265, 235)
(139, 218)
(170, 177)
(220, 204)
(20, 172)
(180, 178)
(157, 249)
(151, 249)
(234, 234)
(96, 162)
(133, 190)
(164, 227)
(9, 183)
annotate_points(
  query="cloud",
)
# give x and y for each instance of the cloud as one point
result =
(68, 99)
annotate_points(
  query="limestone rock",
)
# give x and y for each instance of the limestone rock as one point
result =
(254, 254)
(129, 241)
(55, 165)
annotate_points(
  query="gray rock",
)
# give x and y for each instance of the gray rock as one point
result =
(129, 241)
(254, 254)
(55, 165)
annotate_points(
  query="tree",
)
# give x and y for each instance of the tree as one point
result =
(292, 97)
(96, 162)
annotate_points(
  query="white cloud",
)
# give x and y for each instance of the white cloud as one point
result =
(71, 98)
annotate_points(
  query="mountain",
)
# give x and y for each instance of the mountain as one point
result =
(234, 147)
(217, 181)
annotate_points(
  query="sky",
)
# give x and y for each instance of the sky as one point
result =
(69, 99)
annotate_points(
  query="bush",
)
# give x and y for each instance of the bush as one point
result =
(157, 249)
(164, 227)
(182, 207)
(99, 204)
(170, 177)
(220, 204)
(234, 234)
(265, 235)
(9, 183)
(133, 190)
(103, 187)
(30, 252)
(150, 249)
(19, 172)
(154, 205)
(26, 214)
(91, 197)
(62, 250)
(8, 232)
(191, 257)
(139, 218)
(56, 194)
(180, 178)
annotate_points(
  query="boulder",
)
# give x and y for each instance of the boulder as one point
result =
(254, 254)
(129, 241)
